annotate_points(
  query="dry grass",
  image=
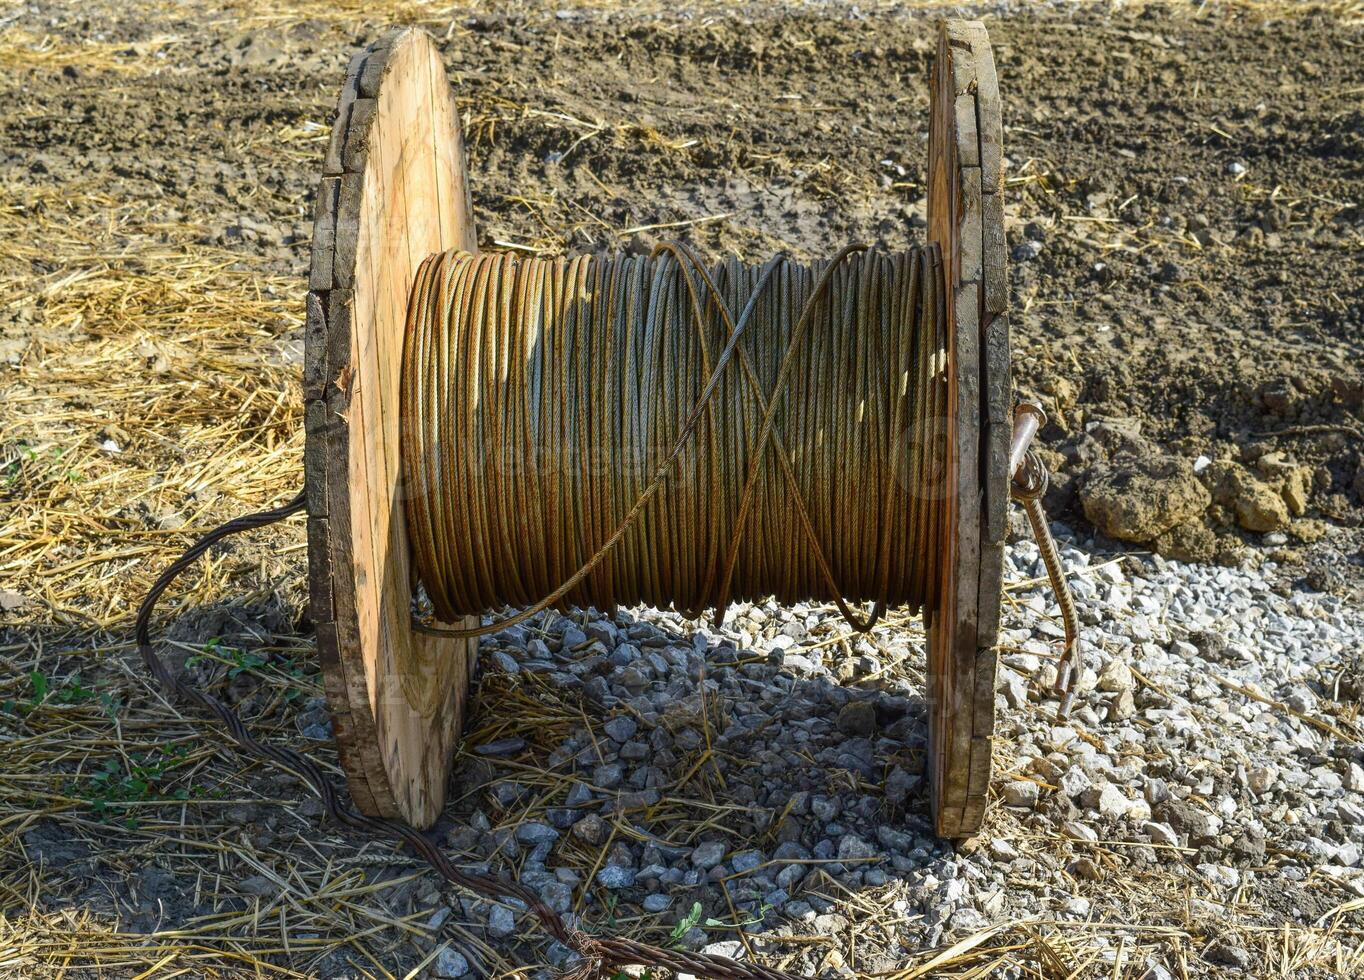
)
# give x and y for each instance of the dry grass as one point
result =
(152, 394)
(154, 389)
(22, 50)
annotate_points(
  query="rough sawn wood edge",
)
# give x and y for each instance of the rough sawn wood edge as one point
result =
(966, 220)
(395, 129)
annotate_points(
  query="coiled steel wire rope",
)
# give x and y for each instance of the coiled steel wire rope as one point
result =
(547, 402)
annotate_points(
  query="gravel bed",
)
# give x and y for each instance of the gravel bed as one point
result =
(770, 773)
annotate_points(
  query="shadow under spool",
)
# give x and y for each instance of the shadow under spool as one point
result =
(393, 194)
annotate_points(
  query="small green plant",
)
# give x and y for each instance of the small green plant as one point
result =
(143, 778)
(239, 662)
(47, 465)
(12, 468)
(761, 914)
(70, 691)
(687, 922)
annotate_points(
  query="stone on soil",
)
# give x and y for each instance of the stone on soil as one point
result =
(1138, 499)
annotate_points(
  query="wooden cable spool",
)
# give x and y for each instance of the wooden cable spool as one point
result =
(394, 190)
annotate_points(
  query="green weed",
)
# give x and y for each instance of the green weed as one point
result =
(43, 691)
(289, 670)
(144, 778)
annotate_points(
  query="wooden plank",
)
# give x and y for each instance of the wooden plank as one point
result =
(340, 377)
(960, 66)
(963, 143)
(982, 751)
(314, 348)
(347, 227)
(970, 235)
(998, 428)
(369, 77)
(968, 140)
(397, 699)
(320, 606)
(989, 113)
(355, 149)
(966, 569)
(331, 163)
(314, 457)
(343, 729)
(387, 268)
(994, 252)
(324, 233)
(941, 616)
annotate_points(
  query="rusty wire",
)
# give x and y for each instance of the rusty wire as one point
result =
(1029, 485)
(865, 330)
(547, 402)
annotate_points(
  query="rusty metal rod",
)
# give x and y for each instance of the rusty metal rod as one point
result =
(1029, 485)
(1028, 418)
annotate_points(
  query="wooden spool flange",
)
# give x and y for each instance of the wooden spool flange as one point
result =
(393, 192)
(966, 219)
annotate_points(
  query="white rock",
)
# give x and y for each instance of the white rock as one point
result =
(1075, 781)
(1354, 778)
(732, 948)
(1021, 792)
(1002, 850)
(1122, 707)
(1078, 907)
(1025, 663)
(1061, 735)
(1014, 688)
(1110, 572)
(1079, 831)
(1116, 677)
(1350, 813)
(1156, 791)
(1220, 875)
(1160, 833)
(450, 964)
(1184, 649)
(501, 921)
(1261, 779)
(1112, 803)
(1326, 779)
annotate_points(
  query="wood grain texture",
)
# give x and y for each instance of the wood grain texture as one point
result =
(393, 192)
(965, 218)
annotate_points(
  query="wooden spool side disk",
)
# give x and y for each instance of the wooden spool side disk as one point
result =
(966, 219)
(393, 192)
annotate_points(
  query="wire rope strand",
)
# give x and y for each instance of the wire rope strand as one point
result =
(604, 430)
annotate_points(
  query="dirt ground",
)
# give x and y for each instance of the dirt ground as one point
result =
(1187, 262)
